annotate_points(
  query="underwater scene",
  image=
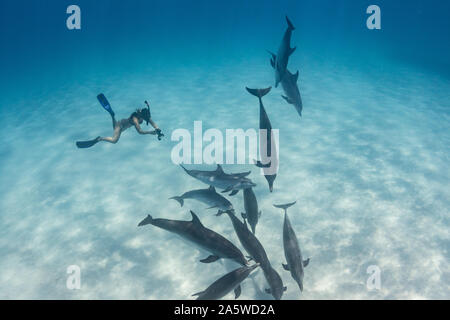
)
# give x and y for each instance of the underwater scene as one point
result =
(241, 149)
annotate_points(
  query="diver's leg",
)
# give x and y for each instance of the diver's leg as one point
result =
(115, 137)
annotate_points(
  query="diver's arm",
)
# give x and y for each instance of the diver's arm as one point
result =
(139, 129)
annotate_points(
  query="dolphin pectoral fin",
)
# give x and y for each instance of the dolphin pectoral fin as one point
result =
(219, 213)
(285, 267)
(287, 99)
(268, 291)
(259, 214)
(228, 189)
(234, 192)
(211, 207)
(305, 263)
(272, 62)
(237, 291)
(210, 259)
(292, 50)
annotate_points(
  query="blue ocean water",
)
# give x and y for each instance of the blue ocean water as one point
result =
(368, 163)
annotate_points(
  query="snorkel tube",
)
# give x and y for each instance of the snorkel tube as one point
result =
(158, 131)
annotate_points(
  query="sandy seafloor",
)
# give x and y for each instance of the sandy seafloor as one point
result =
(368, 165)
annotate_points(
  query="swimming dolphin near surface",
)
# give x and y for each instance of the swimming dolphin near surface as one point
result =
(218, 178)
(267, 146)
(205, 238)
(224, 285)
(284, 51)
(208, 196)
(295, 263)
(255, 249)
(252, 213)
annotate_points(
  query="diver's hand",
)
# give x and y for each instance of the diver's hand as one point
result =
(159, 133)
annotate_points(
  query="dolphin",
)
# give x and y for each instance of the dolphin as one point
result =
(208, 196)
(257, 253)
(251, 208)
(295, 263)
(230, 281)
(205, 238)
(284, 51)
(266, 141)
(290, 88)
(219, 179)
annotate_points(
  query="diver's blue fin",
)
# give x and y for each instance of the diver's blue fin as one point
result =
(105, 104)
(87, 144)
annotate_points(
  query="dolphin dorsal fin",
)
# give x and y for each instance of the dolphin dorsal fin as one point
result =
(219, 169)
(195, 219)
(211, 188)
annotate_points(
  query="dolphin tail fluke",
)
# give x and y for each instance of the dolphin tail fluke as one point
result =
(147, 220)
(290, 25)
(284, 206)
(179, 199)
(259, 92)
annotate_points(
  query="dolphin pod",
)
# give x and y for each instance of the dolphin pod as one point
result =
(195, 232)
(208, 196)
(224, 285)
(295, 263)
(217, 245)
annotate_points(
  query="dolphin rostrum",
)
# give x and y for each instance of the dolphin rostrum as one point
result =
(258, 254)
(218, 178)
(295, 263)
(205, 238)
(208, 196)
(251, 208)
(284, 51)
(224, 285)
(267, 146)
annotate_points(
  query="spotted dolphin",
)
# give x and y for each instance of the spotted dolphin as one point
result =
(208, 196)
(256, 251)
(218, 178)
(195, 232)
(295, 263)
(267, 145)
(252, 213)
(290, 88)
(224, 285)
(281, 59)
